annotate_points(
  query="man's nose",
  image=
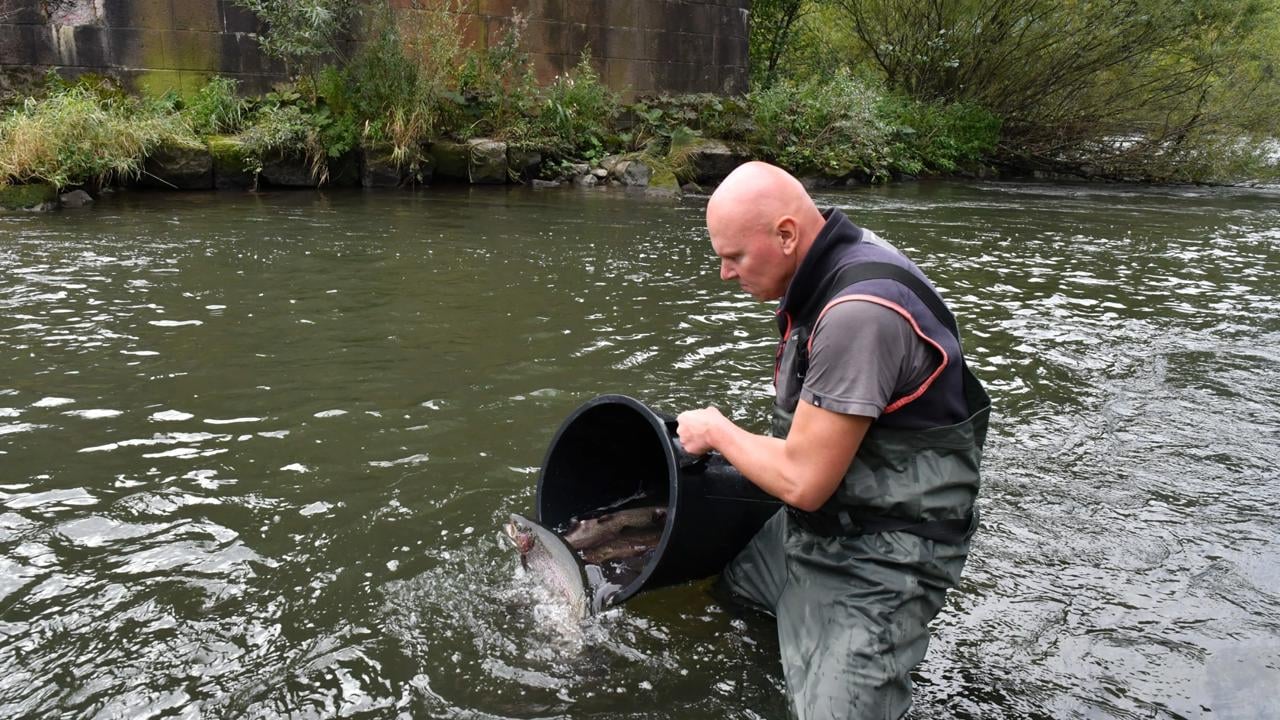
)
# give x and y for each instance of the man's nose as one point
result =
(726, 271)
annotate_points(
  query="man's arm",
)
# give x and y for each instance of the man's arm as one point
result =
(803, 470)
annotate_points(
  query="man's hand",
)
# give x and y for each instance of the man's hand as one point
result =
(802, 471)
(696, 428)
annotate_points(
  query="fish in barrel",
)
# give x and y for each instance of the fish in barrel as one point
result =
(593, 557)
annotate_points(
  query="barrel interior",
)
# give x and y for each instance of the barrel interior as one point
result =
(608, 454)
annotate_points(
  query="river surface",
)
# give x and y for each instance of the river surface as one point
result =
(255, 451)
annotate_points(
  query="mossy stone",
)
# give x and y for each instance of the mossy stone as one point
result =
(229, 162)
(27, 197)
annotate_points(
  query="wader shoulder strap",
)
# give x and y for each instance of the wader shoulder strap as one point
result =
(858, 272)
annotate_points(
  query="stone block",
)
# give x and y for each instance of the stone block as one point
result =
(179, 168)
(148, 14)
(546, 8)
(342, 171)
(42, 43)
(622, 13)
(711, 160)
(450, 160)
(192, 50)
(583, 12)
(14, 48)
(191, 81)
(624, 43)
(89, 47)
(196, 15)
(487, 161)
(229, 166)
(626, 76)
(283, 170)
(236, 19)
(504, 8)
(157, 82)
(378, 169)
(136, 48)
(546, 67)
(546, 37)
(730, 52)
(23, 12)
(699, 19)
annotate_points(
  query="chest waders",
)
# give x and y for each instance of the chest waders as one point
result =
(854, 584)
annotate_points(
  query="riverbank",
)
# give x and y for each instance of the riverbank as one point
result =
(89, 135)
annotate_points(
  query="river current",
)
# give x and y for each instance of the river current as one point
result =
(255, 451)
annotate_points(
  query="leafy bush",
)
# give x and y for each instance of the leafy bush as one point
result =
(402, 81)
(291, 123)
(932, 136)
(827, 125)
(77, 135)
(302, 31)
(571, 117)
(215, 108)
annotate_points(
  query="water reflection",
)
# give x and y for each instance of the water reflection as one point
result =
(257, 449)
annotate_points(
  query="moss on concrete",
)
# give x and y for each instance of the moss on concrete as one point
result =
(230, 162)
(23, 197)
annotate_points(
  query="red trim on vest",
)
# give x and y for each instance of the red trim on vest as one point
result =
(900, 402)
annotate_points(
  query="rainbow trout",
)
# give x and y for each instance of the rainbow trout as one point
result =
(549, 559)
(633, 524)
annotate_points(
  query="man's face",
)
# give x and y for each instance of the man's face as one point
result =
(755, 259)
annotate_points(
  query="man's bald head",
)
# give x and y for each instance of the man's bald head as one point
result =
(762, 223)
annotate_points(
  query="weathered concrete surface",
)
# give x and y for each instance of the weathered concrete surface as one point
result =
(712, 160)
(179, 168)
(378, 169)
(229, 170)
(637, 46)
(451, 160)
(487, 161)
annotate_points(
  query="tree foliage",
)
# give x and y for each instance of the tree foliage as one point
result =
(1096, 83)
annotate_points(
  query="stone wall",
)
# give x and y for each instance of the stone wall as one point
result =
(643, 46)
(151, 45)
(638, 46)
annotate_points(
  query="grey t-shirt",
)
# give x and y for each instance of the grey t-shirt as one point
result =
(864, 355)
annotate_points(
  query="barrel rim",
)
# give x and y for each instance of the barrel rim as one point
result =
(673, 476)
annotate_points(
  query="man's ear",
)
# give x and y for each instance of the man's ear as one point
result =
(788, 234)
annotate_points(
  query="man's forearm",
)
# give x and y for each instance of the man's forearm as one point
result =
(803, 470)
(762, 460)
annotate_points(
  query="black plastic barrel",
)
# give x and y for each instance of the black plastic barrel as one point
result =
(615, 452)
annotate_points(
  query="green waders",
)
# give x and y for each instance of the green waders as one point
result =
(853, 610)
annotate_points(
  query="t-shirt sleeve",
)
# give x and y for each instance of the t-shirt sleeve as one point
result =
(864, 355)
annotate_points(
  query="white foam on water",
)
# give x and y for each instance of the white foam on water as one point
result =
(52, 402)
(96, 414)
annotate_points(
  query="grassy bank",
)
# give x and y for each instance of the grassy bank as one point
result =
(90, 134)
(412, 85)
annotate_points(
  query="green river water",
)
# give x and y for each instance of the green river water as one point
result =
(255, 451)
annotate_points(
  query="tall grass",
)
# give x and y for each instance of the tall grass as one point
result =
(77, 136)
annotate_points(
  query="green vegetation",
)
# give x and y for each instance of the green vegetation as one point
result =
(1181, 90)
(87, 133)
(1132, 89)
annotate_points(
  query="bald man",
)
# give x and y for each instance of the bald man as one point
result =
(876, 441)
